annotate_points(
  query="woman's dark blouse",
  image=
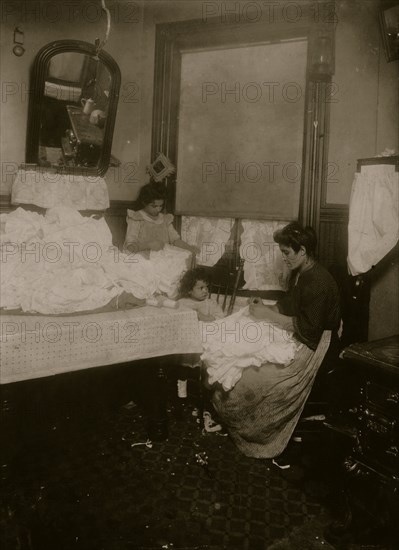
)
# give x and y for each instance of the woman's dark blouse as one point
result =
(314, 304)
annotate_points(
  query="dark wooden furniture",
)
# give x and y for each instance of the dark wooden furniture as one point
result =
(369, 419)
(376, 407)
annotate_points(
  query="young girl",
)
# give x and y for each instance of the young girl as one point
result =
(150, 229)
(194, 294)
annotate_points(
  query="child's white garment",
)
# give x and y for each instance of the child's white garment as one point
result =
(206, 307)
(141, 227)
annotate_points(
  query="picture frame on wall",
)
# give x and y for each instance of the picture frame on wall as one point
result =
(160, 168)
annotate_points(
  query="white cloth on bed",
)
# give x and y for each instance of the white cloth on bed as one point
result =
(170, 263)
(34, 346)
(238, 341)
(64, 262)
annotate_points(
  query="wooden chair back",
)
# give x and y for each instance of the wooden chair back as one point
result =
(226, 291)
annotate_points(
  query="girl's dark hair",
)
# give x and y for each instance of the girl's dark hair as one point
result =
(189, 279)
(295, 236)
(149, 193)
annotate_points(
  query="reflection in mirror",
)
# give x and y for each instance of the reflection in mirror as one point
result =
(73, 108)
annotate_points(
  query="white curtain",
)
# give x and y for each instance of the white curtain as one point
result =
(211, 235)
(263, 265)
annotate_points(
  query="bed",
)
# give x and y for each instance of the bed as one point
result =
(36, 346)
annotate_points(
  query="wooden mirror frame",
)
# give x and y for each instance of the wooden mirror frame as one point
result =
(36, 97)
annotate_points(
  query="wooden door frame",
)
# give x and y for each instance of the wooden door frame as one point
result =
(172, 39)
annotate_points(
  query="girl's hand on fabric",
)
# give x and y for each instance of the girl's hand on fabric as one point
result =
(155, 245)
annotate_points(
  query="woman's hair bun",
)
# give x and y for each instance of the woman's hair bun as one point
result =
(294, 235)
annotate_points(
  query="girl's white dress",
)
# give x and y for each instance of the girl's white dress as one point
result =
(141, 227)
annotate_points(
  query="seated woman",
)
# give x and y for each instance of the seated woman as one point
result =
(262, 410)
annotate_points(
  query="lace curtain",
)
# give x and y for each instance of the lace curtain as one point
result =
(263, 266)
(211, 235)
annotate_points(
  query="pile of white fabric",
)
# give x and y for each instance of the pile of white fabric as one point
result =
(170, 263)
(238, 341)
(63, 262)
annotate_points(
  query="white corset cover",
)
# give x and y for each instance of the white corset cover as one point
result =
(373, 228)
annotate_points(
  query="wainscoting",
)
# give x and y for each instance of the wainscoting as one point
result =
(355, 291)
(333, 236)
(115, 217)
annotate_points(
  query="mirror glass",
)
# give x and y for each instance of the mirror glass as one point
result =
(74, 109)
(72, 119)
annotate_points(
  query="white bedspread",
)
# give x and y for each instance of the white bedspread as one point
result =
(63, 263)
(34, 346)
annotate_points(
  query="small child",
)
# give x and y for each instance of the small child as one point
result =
(194, 294)
(149, 228)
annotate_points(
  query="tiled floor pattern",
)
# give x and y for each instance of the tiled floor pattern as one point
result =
(85, 484)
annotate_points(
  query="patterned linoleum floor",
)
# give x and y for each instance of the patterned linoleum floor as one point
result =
(91, 484)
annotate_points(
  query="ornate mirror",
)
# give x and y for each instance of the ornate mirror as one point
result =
(72, 108)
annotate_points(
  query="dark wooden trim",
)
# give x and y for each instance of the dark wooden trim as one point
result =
(120, 207)
(355, 291)
(5, 203)
(315, 173)
(333, 235)
(172, 39)
(335, 212)
(378, 160)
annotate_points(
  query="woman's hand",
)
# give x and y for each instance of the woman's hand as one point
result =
(257, 309)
